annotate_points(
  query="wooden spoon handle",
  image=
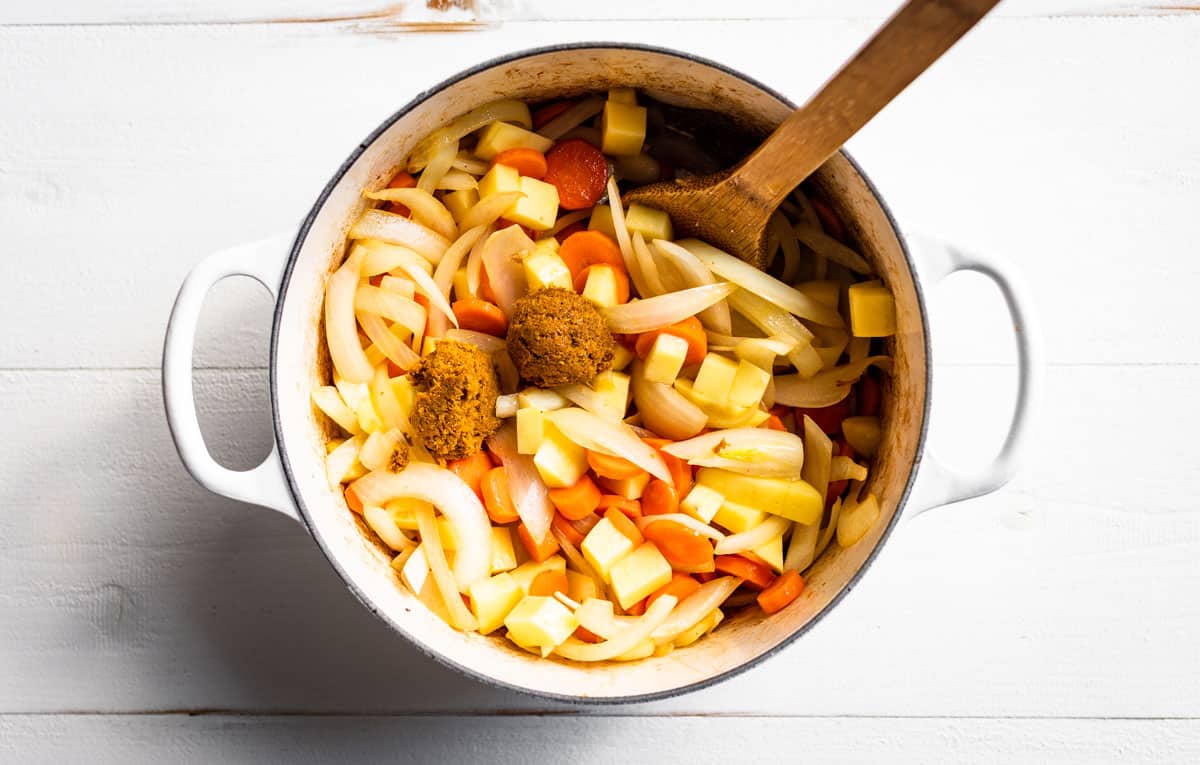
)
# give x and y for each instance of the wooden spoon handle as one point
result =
(907, 45)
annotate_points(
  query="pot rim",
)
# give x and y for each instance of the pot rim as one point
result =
(298, 244)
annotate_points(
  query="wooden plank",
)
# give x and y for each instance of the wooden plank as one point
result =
(126, 587)
(519, 740)
(123, 173)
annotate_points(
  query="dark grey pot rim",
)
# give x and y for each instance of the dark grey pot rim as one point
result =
(302, 235)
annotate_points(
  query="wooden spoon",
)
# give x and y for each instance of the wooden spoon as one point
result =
(730, 209)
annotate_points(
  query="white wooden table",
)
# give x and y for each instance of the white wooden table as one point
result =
(143, 619)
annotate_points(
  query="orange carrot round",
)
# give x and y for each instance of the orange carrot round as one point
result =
(524, 160)
(782, 591)
(352, 500)
(682, 547)
(623, 524)
(608, 466)
(659, 498)
(480, 316)
(774, 423)
(537, 551)
(681, 585)
(586, 248)
(580, 280)
(496, 499)
(471, 469)
(758, 576)
(577, 501)
(546, 583)
(579, 171)
(690, 329)
(565, 528)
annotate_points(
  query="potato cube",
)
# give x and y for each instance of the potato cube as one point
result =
(621, 357)
(540, 621)
(665, 358)
(702, 503)
(531, 429)
(602, 220)
(492, 599)
(559, 460)
(872, 310)
(540, 398)
(772, 553)
(504, 557)
(749, 384)
(601, 286)
(613, 388)
(737, 517)
(715, 378)
(498, 180)
(629, 488)
(862, 433)
(580, 587)
(538, 209)
(458, 202)
(428, 345)
(638, 574)
(761, 351)
(405, 393)
(525, 573)
(604, 545)
(826, 292)
(793, 499)
(623, 95)
(461, 288)
(499, 136)
(446, 532)
(544, 268)
(653, 224)
(622, 128)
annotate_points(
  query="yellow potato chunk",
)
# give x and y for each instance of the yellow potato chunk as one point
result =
(737, 517)
(792, 499)
(499, 180)
(622, 356)
(492, 600)
(531, 430)
(544, 268)
(702, 503)
(580, 587)
(872, 310)
(500, 136)
(458, 202)
(665, 358)
(623, 95)
(461, 287)
(540, 621)
(715, 378)
(613, 388)
(601, 286)
(638, 574)
(749, 384)
(772, 553)
(653, 224)
(559, 460)
(538, 208)
(622, 128)
(604, 546)
(602, 221)
(504, 557)
(862, 433)
(525, 573)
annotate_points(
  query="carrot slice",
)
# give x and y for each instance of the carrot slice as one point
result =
(681, 585)
(608, 466)
(579, 171)
(538, 552)
(546, 583)
(352, 501)
(829, 219)
(690, 329)
(631, 508)
(578, 500)
(580, 280)
(681, 472)
(624, 525)
(568, 530)
(472, 469)
(682, 547)
(637, 609)
(782, 591)
(870, 396)
(774, 423)
(544, 114)
(586, 248)
(659, 498)
(828, 418)
(587, 635)
(496, 499)
(524, 160)
(757, 575)
(480, 316)
(402, 180)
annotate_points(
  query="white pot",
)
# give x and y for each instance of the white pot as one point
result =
(295, 268)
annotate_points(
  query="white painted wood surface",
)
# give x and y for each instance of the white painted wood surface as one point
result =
(1053, 621)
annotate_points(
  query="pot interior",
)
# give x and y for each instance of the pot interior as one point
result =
(298, 365)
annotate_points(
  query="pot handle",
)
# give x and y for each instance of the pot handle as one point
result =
(937, 484)
(265, 484)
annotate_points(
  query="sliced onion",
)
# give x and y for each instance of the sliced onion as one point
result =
(818, 449)
(425, 207)
(489, 344)
(828, 247)
(386, 403)
(525, 485)
(646, 264)
(340, 461)
(396, 229)
(391, 306)
(825, 388)
(626, 639)
(750, 451)
(378, 449)
(695, 607)
(388, 344)
(572, 118)
(506, 275)
(764, 532)
(457, 180)
(790, 247)
(596, 403)
(341, 326)
(762, 284)
(507, 406)
(329, 401)
(475, 262)
(383, 257)
(439, 163)
(612, 438)
(695, 274)
(807, 361)
(621, 231)
(857, 349)
(575, 558)
(443, 276)
(845, 469)
(827, 533)
(770, 318)
(469, 163)
(663, 310)
(381, 523)
(569, 219)
(435, 556)
(664, 410)
(411, 266)
(802, 548)
(489, 209)
(504, 110)
(703, 529)
(597, 616)
(804, 210)
(399, 285)
(453, 497)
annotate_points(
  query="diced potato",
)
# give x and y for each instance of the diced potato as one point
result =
(500, 136)
(580, 587)
(368, 418)
(601, 286)
(404, 512)
(665, 358)
(654, 224)
(638, 574)
(737, 517)
(702, 503)
(794, 500)
(547, 242)
(447, 533)
(458, 202)
(559, 460)
(772, 553)
(621, 357)
(461, 287)
(431, 597)
(543, 268)
(499, 180)
(538, 208)
(525, 573)
(540, 621)
(416, 570)
(604, 545)
(492, 599)
(714, 378)
(602, 220)
(352, 393)
(531, 429)
(613, 388)
(429, 344)
(504, 557)
(540, 398)
(623, 95)
(622, 128)
(722, 415)
(405, 394)
(856, 520)
(872, 310)
(863, 434)
(749, 384)
(629, 488)
(827, 292)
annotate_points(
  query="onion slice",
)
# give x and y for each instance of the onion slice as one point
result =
(750, 451)
(391, 306)
(525, 485)
(764, 532)
(626, 639)
(825, 388)
(759, 283)
(572, 118)
(503, 110)
(664, 410)
(696, 274)
(663, 310)
(828, 247)
(695, 607)
(341, 326)
(435, 556)
(612, 438)
(453, 497)
(425, 207)
(506, 275)
(396, 229)
(647, 266)
(410, 264)
(489, 344)
(701, 528)
(489, 209)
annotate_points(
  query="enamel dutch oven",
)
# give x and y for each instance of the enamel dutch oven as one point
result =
(292, 478)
